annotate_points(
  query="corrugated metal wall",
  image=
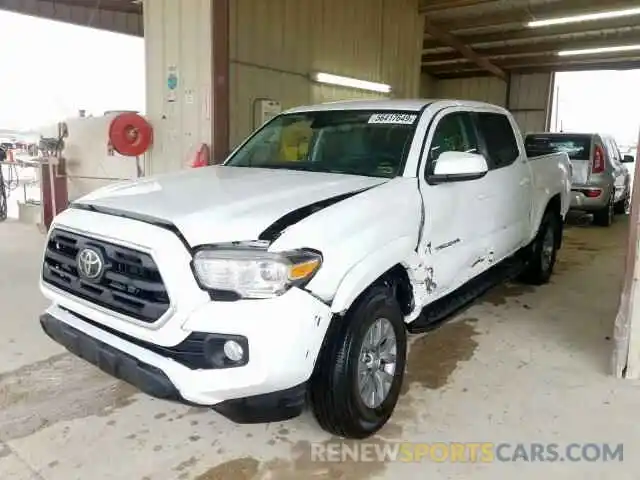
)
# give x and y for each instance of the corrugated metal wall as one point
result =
(178, 42)
(530, 101)
(528, 95)
(484, 89)
(275, 45)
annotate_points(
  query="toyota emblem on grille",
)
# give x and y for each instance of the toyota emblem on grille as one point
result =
(90, 263)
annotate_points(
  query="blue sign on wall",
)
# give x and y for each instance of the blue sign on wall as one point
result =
(172, 81)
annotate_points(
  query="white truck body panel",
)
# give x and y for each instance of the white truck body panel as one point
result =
(443, 235)
(244, 201)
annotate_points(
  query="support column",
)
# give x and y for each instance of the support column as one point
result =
(179, 96)
(625, 359)
(220, 79)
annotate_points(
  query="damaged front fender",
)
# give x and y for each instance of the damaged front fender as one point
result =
(399, 252)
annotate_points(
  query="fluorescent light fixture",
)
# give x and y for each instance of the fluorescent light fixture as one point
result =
(585, 18)
(331, 79)
(592, 51)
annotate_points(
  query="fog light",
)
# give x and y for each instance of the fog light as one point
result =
(233, 350)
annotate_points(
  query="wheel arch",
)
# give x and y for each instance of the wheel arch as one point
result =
(386, 265)
(554, 204)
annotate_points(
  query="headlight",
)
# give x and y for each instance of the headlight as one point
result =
(253, 272)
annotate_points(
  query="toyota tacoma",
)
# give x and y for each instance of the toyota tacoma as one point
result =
(292, 273)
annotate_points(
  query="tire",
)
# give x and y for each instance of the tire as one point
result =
(622, 207)
(604, 216)
(543, 251)
(334, 391)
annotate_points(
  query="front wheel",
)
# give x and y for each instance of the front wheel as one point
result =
(543, 251)
(357, 380)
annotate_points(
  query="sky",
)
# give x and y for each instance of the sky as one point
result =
(604, 101)
(50, 70)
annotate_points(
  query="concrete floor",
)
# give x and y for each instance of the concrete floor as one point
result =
(522, 365)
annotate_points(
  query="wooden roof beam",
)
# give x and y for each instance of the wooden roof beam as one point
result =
(429, 6)
(614, 61)
(580, 67)
(117, 6)
(451, 40)
(517, 14)
(524, 34)
(550, 47)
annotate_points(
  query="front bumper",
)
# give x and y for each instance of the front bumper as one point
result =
(270, 387)
(284, 334)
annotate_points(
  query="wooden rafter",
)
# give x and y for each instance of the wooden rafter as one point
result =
(451, 40)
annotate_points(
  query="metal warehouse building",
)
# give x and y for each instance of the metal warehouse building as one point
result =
(520, 364)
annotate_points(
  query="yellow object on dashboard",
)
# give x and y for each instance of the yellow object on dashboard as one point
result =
(294, 143)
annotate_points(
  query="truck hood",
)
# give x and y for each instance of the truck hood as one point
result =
(222, 204)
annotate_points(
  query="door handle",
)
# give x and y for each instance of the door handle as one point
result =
(524, 182)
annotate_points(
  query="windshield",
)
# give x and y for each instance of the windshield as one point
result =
(578, 147)
(352, 142)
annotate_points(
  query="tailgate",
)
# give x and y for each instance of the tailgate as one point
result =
(577, 147)
(581, 171)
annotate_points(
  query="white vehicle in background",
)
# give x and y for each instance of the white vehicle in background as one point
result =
(293, 272)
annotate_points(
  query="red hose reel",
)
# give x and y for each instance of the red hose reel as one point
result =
(130, 134)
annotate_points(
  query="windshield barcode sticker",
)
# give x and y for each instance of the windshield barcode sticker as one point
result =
(394, 118)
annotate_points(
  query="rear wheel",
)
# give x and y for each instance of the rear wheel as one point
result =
(543, 251)
(622, 207)
(357, 381)
(604, 216)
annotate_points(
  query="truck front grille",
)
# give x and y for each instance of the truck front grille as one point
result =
(128, 283)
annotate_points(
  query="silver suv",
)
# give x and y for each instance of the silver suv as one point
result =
(600, 182)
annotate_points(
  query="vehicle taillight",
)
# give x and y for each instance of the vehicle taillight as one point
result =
(598, 160)
(593, 193)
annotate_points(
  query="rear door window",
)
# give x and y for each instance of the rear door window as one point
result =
(500, 140)
(578, 147)
(613, 152)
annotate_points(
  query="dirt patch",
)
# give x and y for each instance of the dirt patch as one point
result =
(432, 360)
(580, 247)
(245, 468)
(501, 294)
(320, 461)
(60, 388)
(5, 451)
(182, 466)
(435, 356)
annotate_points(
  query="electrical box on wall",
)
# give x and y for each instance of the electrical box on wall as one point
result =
(265, 110)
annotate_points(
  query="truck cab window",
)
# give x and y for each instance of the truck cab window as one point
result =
(455, 133)
(500, 140)
(347, 142)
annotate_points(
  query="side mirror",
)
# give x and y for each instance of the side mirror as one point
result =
(628, 159)
(458, 167)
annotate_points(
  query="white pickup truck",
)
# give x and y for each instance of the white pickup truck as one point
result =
(291, 274)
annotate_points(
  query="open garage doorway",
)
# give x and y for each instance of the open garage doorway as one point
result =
(57, 72)
(613, 111)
